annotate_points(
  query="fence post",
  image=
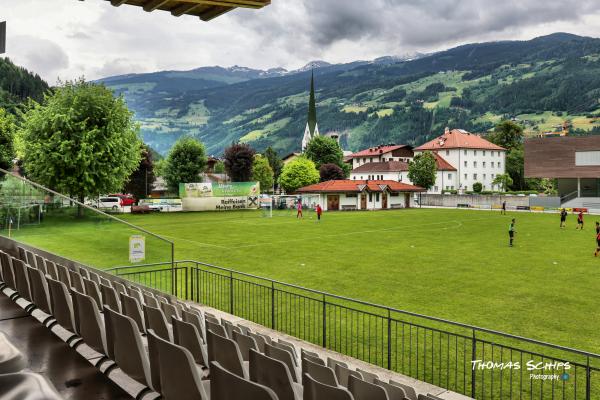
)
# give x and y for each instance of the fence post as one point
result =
(231, 293)
(588, 380)
(473, 355)
(324, 322)
(389, 320)
(272, 305)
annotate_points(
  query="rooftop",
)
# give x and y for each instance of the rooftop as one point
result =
(459, 139)
(377, 150)
(399, 166)
(349, 185)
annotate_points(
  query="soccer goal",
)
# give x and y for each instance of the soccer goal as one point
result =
(287, 205)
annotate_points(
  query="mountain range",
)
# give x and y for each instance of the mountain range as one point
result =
(546, 83)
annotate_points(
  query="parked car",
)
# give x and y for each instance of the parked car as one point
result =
(126, 199)
(108, 202)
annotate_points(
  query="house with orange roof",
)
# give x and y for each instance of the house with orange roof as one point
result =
(474, 158)
(348, 194)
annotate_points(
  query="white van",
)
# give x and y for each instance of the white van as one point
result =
(111, 203)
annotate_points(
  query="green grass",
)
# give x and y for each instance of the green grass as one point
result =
(453, 264)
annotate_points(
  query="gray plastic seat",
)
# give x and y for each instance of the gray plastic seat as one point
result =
(77, 282)
(287, 347)
(311, 358)
(155, 320)
(26, 386)
(245, 344)
(212, 319)
(393, 392)
(90, 324)
(21, 278)
(216, 328)
(63, 275)
(61, 304)
(195, 319)
(30, 259)
(105, 282)
(51, 269)
(150, 300)
(22, 254)
(362, 390)
(275, 375)
(11, 359)
(92, 290)
(186, 335)
(39, 289)
(170, 310)
(94, 277)
(314, 390)
(179, 377)
(225, 385)
(342, 374)
(40, 263)
(136, 293)
(83, 272)
(119, 287)
(110, 297)
(367, 376)
(226, 353)
(8, 274)
(260, 341)
(129, 352)
(154, 359)
(131, 307)
(332, 362)
(283, 356)
(320, 373)
(410, 392)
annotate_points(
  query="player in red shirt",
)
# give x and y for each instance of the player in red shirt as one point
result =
(319, 212)
(580, 220)
(299, 206)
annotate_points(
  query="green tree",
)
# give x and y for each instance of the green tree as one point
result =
(515, 167)
(477, 187)
(503, 181)
(330, 172)
(262, 172)
(324, 150)
(141, 180)
(422, 170)
(186, 160)
(238, 160)
(7, 134)
(508, 135)
(219, 167)
(298, 173)
(80, 140)
(274, 161)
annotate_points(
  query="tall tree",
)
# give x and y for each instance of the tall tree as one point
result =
(330, 172)
(7, 133)
(141, 180)
(238, 160)
(262, 173)
(298, 173)
(186, 160)
(508, 135)
(503, 181)
(274, 161)
(324, 150)
(81, 140)
(422, 170)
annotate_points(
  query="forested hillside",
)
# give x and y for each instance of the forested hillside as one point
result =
(18, 84)
(545, 83)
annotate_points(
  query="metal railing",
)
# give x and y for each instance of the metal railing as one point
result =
(569, 196)
(478, 362)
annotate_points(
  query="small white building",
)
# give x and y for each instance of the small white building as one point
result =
(474, 158)
(350, 194)
(382, 153)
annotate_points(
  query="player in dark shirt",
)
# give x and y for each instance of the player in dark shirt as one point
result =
(563, 218)
(511, 232)
(597, 239)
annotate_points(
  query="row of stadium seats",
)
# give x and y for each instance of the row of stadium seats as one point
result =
(175, 350)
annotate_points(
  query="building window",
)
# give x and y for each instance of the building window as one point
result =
(483, 176)
(465, 163)
(484, 152)
(435, 188)
(371, 159)
(474, 152)
(364, 160)
(474, 176)
(492, 164)
(447, 152)
(475, 164)
(465, 152)
(449, 176)
(465, 176)
(376, 196)
(370, 197)
(499, 165)
(484, 164)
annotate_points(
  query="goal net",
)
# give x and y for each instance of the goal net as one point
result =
(287, 205)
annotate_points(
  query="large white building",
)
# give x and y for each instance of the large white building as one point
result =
(462, 159)
(475, 159)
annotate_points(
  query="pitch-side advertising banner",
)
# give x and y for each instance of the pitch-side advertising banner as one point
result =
(219, 196)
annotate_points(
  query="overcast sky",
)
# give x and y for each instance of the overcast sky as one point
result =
(68, 38)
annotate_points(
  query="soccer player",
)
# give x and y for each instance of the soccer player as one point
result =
(319, 211)
(503, 208)
(563, 218)
(597, 239)
(580, 220)
(299, 206)
(511, 232)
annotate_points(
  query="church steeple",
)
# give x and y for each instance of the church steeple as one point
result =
(312, 128)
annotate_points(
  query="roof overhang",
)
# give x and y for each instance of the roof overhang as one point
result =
(204, 9)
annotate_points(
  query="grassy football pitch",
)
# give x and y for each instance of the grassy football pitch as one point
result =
(453, 264)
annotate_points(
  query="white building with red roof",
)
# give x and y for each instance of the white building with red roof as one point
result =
(350, 194)
(474, 159)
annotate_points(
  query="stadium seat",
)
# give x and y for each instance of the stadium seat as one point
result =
(155, 320)
(92, 290)
(216, 328)
(8, 275)
(169, 310)
(154, 360)
(22, 254)
(30, 259)
(304, 352)
(61, 304)
(225, 385)
(63, 275)
(94, 277)
(129, 352)
(260, 341)
(105, 282)
(26, 386)
(226, 353)
(90, 323)
(287, 347)
(131, 307)
(367, 376)
(179, 377)
(331, 363)
(314, 390)
(39, 289)
(119, 287)
(285, 357)
(245, 330)
(51, 269)
(186, 335)
(150, 300)
(76, 281)
(393, 392)
(11, 359)
(21, 278)
(320, 373)
(362, 390)
(40, 263)
(275, 375)
(342, 374)
(408, 390)
(110, 298)
(309, 357)
(245, 344)
(136, 293)
(196, 320)
(210, 318)
(83, 272)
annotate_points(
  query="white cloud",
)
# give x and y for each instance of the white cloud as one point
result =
(68, 38)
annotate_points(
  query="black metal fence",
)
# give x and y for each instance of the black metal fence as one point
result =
(477, 362)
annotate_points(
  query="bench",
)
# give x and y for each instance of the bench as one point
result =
(348, 207)
(396, 206)
(463, 205)
(522, 207)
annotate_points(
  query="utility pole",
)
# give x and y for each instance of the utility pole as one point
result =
(2, 37)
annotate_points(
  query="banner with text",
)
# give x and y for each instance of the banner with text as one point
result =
(219, 196)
